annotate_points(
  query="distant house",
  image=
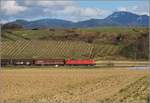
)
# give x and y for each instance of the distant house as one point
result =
(35, 29)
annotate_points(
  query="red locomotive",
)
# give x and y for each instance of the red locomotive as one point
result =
(80, 62)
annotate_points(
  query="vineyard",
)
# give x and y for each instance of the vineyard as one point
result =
(103, 43)
(56, 49)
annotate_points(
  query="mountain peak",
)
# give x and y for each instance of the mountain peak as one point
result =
(125, 18)
(121, 14)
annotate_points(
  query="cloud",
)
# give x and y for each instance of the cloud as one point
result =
(76, 13)
(65, 8)
(11, 7)
(58, 5)
(47, 3)
(83, 13)
(122, 9)
(31, 9)
(87, 12)
(137, 9)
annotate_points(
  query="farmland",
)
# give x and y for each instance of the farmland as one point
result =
(98, 34)
(103, 43)
(73, 85)
(56, 49)
(118, 47)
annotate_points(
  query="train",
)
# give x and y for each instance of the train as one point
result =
(47, 62)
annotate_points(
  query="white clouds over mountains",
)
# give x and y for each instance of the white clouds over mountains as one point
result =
(69, 10)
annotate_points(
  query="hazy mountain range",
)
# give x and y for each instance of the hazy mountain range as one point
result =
(116, 19)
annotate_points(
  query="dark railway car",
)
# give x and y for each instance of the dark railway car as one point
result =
(46, 62)
(22, 62)
(5, 62)
(80, 62)
(43, 62)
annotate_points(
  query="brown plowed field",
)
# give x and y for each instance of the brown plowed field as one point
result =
(73, 85)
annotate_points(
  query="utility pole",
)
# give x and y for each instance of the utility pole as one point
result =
(135, 54)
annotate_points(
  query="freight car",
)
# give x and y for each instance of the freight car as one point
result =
(22, 62)
(44, 62)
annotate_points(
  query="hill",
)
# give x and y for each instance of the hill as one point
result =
(121, 18)
(92, 43)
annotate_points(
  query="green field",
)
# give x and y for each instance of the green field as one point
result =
(17, 34)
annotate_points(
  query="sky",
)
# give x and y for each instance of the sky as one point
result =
(72, 10)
